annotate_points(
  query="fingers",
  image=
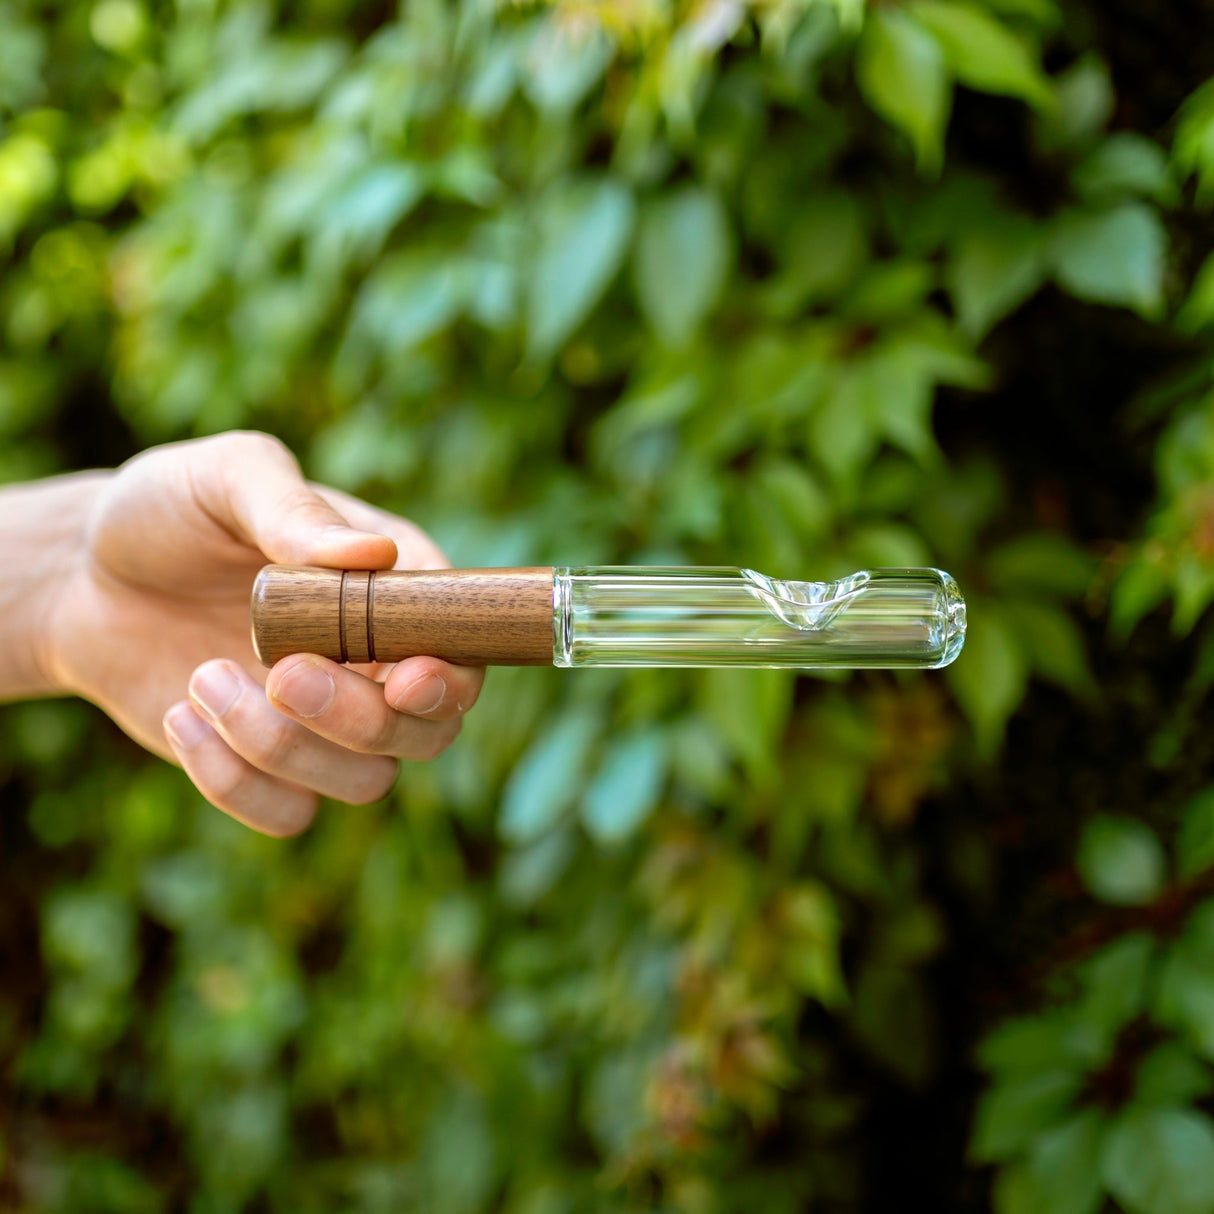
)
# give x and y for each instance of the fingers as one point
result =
(257, 765)
(232, 784)
(263, 755)
(415, 714)
(414, 548)
(236, 707)
(251, 485)
(432, 688)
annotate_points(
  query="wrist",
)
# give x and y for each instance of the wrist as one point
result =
(44, 539)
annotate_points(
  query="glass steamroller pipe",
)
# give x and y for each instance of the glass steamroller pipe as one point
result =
(610, 616)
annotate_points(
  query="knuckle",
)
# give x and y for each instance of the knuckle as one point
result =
(385, 736)
(374, 785)
(300, 498)
(291, 816)
(302, 505)
(275, 746)
(258, 442)
(237, 789)
(434, 741)
(227, 787)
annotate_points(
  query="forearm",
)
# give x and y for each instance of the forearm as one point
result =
(42, 531)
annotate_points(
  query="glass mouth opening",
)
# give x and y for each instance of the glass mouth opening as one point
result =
(954, 619)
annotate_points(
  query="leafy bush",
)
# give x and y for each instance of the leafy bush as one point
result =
(807, 285)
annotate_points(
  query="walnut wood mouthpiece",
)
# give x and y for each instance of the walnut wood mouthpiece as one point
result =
(476, 617)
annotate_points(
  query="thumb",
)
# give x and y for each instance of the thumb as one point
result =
(252, 486)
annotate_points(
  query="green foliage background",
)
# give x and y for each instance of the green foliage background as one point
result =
(808, 285)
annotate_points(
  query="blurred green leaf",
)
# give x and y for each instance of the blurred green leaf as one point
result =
(185, 889)
(1141, 587)
(990, 677)
(1013, 1114)
(22, 52)
(888, 546)
(408, 298)
(1054, 645)
(749, 709)
(844, 430)
(1160, 1161)
(1171, 1075)
(562, 64)
(1121, 861)
(242, 1135)
(813, 953)
(363, 446)
(1041, 561)
(91, 933)
(820, 254)
(651, 403)
(96, 1182)
(902, 74)
(584, 230)
(1116, 983)
(1112, 257)
(888, 290)
(281, 76)
(683, 253)
(48, 732)
(1184, 458)
(529, 872)
(1193, 150)
(460, 1154)
(1085, 102)
(1198, 308)
(983, 52)
(548, 778)
(1195, 842)
(29, 173)
(797, 494)
(995, 268)
(1125, 164)
(1061, 1172)
(1185, 998)
(1052, 1041)
(1193, 591)
(627, 785)
(356, 222)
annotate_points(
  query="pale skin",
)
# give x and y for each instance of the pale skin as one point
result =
(131, 588)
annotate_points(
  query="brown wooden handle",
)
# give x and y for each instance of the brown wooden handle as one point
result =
(476, 617)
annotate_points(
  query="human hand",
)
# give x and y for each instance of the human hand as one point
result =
(152, 624)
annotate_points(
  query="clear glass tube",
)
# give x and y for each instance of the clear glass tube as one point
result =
(638, 616)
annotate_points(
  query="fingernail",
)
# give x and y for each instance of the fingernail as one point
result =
(185, 726)
(423, 696)
(306, 690)
(216, 687)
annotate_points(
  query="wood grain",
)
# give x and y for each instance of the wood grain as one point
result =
(475, 617)
(296, 610)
